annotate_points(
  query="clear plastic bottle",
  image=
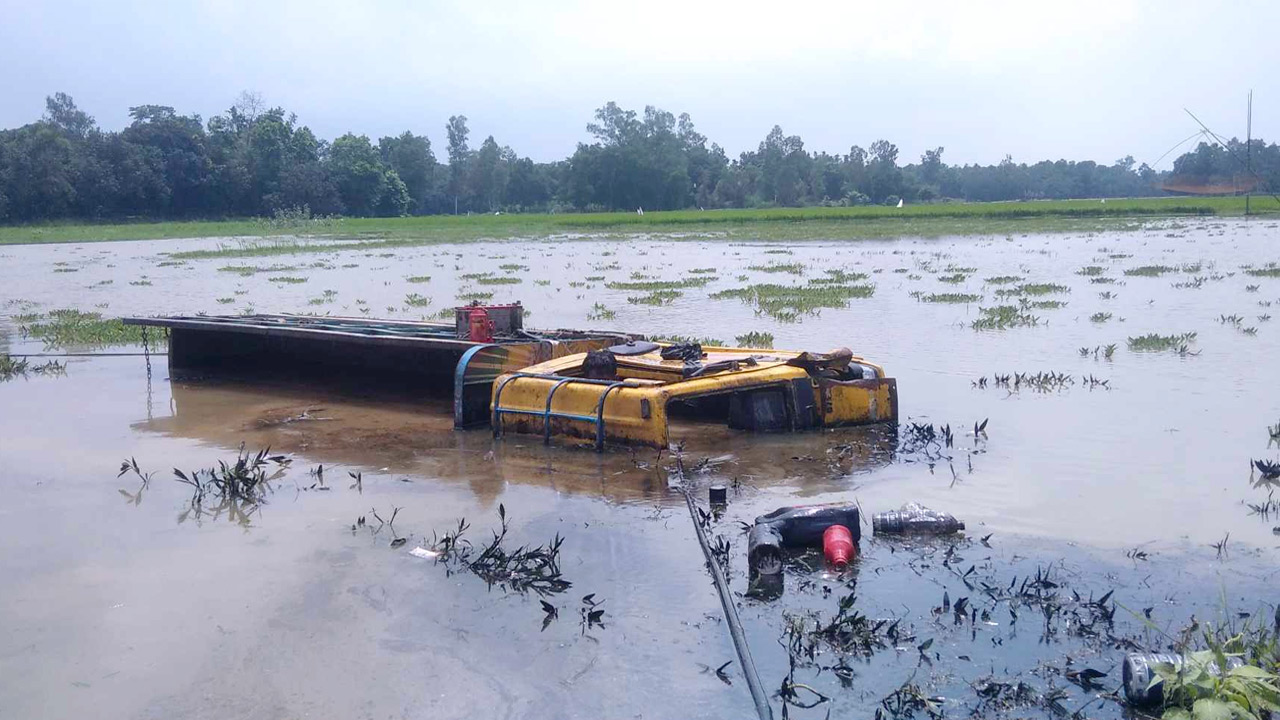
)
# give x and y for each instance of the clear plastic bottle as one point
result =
(1138, 671)
(915, 519)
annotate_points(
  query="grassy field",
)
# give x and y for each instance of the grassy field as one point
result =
(774, 223)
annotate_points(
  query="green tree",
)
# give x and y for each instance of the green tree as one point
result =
(62, 113)
(364, 185)
(411, 157)
(179, 141)
(459, 157)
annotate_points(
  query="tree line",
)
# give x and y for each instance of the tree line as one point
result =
(256, 161)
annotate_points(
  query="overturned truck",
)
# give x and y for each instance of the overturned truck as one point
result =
(628, 393)
(409, 359)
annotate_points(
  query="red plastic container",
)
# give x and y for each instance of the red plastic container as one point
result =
(837, 546)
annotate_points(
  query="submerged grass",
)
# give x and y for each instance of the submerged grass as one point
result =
(1033, 289)
(755, 339)
(791, 268)
(1150, 271)
(73, 328)
(1002, 317)
(953, 298)
(14, 367)
(681, 339)
(1271, 270)
(1044, 304)
(656, 285)
(657, 297)
(1154, 342)
(838, 276)
(787, 303)
(499, 280)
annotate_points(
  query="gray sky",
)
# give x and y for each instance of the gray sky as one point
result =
(1079, 80)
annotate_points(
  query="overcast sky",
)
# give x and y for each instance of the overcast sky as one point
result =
(1033, 79)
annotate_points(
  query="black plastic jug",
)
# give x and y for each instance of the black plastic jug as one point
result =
(915, 519)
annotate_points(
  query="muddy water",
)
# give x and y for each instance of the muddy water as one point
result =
(124, 604)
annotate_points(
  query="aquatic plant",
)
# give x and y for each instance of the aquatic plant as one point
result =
(1043, 381)
(12, 367)
(684, 339)
(1032, 289)
(601, 312)
(1100, 317)
(838, 276)
(652, 285)
(1150, 271)
(657, 297)
(526, 569)
(244, 479)
(755, 339)
(1002, 280)
(955, 279)
(1042, 304)
(787, 303)
(501, 280)
(418, 278)
(287, 279)
(416, 300)
(325, 298)
(1002, 317)
(791, 268)
(67, 327)
(953, 298)
(1102, 281)
(249, 270)
(473, 295)
(1091, 270)
(1153, 342)
(226, 300)
(1208, 685)
(1270, 270)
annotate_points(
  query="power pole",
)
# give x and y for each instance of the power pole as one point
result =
(1248, 152)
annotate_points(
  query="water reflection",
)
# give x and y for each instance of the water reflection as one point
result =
(417, 440)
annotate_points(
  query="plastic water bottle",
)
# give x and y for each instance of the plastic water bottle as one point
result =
(915, 519)
(1138, 670)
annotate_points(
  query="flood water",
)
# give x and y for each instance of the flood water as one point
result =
(119, 601)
